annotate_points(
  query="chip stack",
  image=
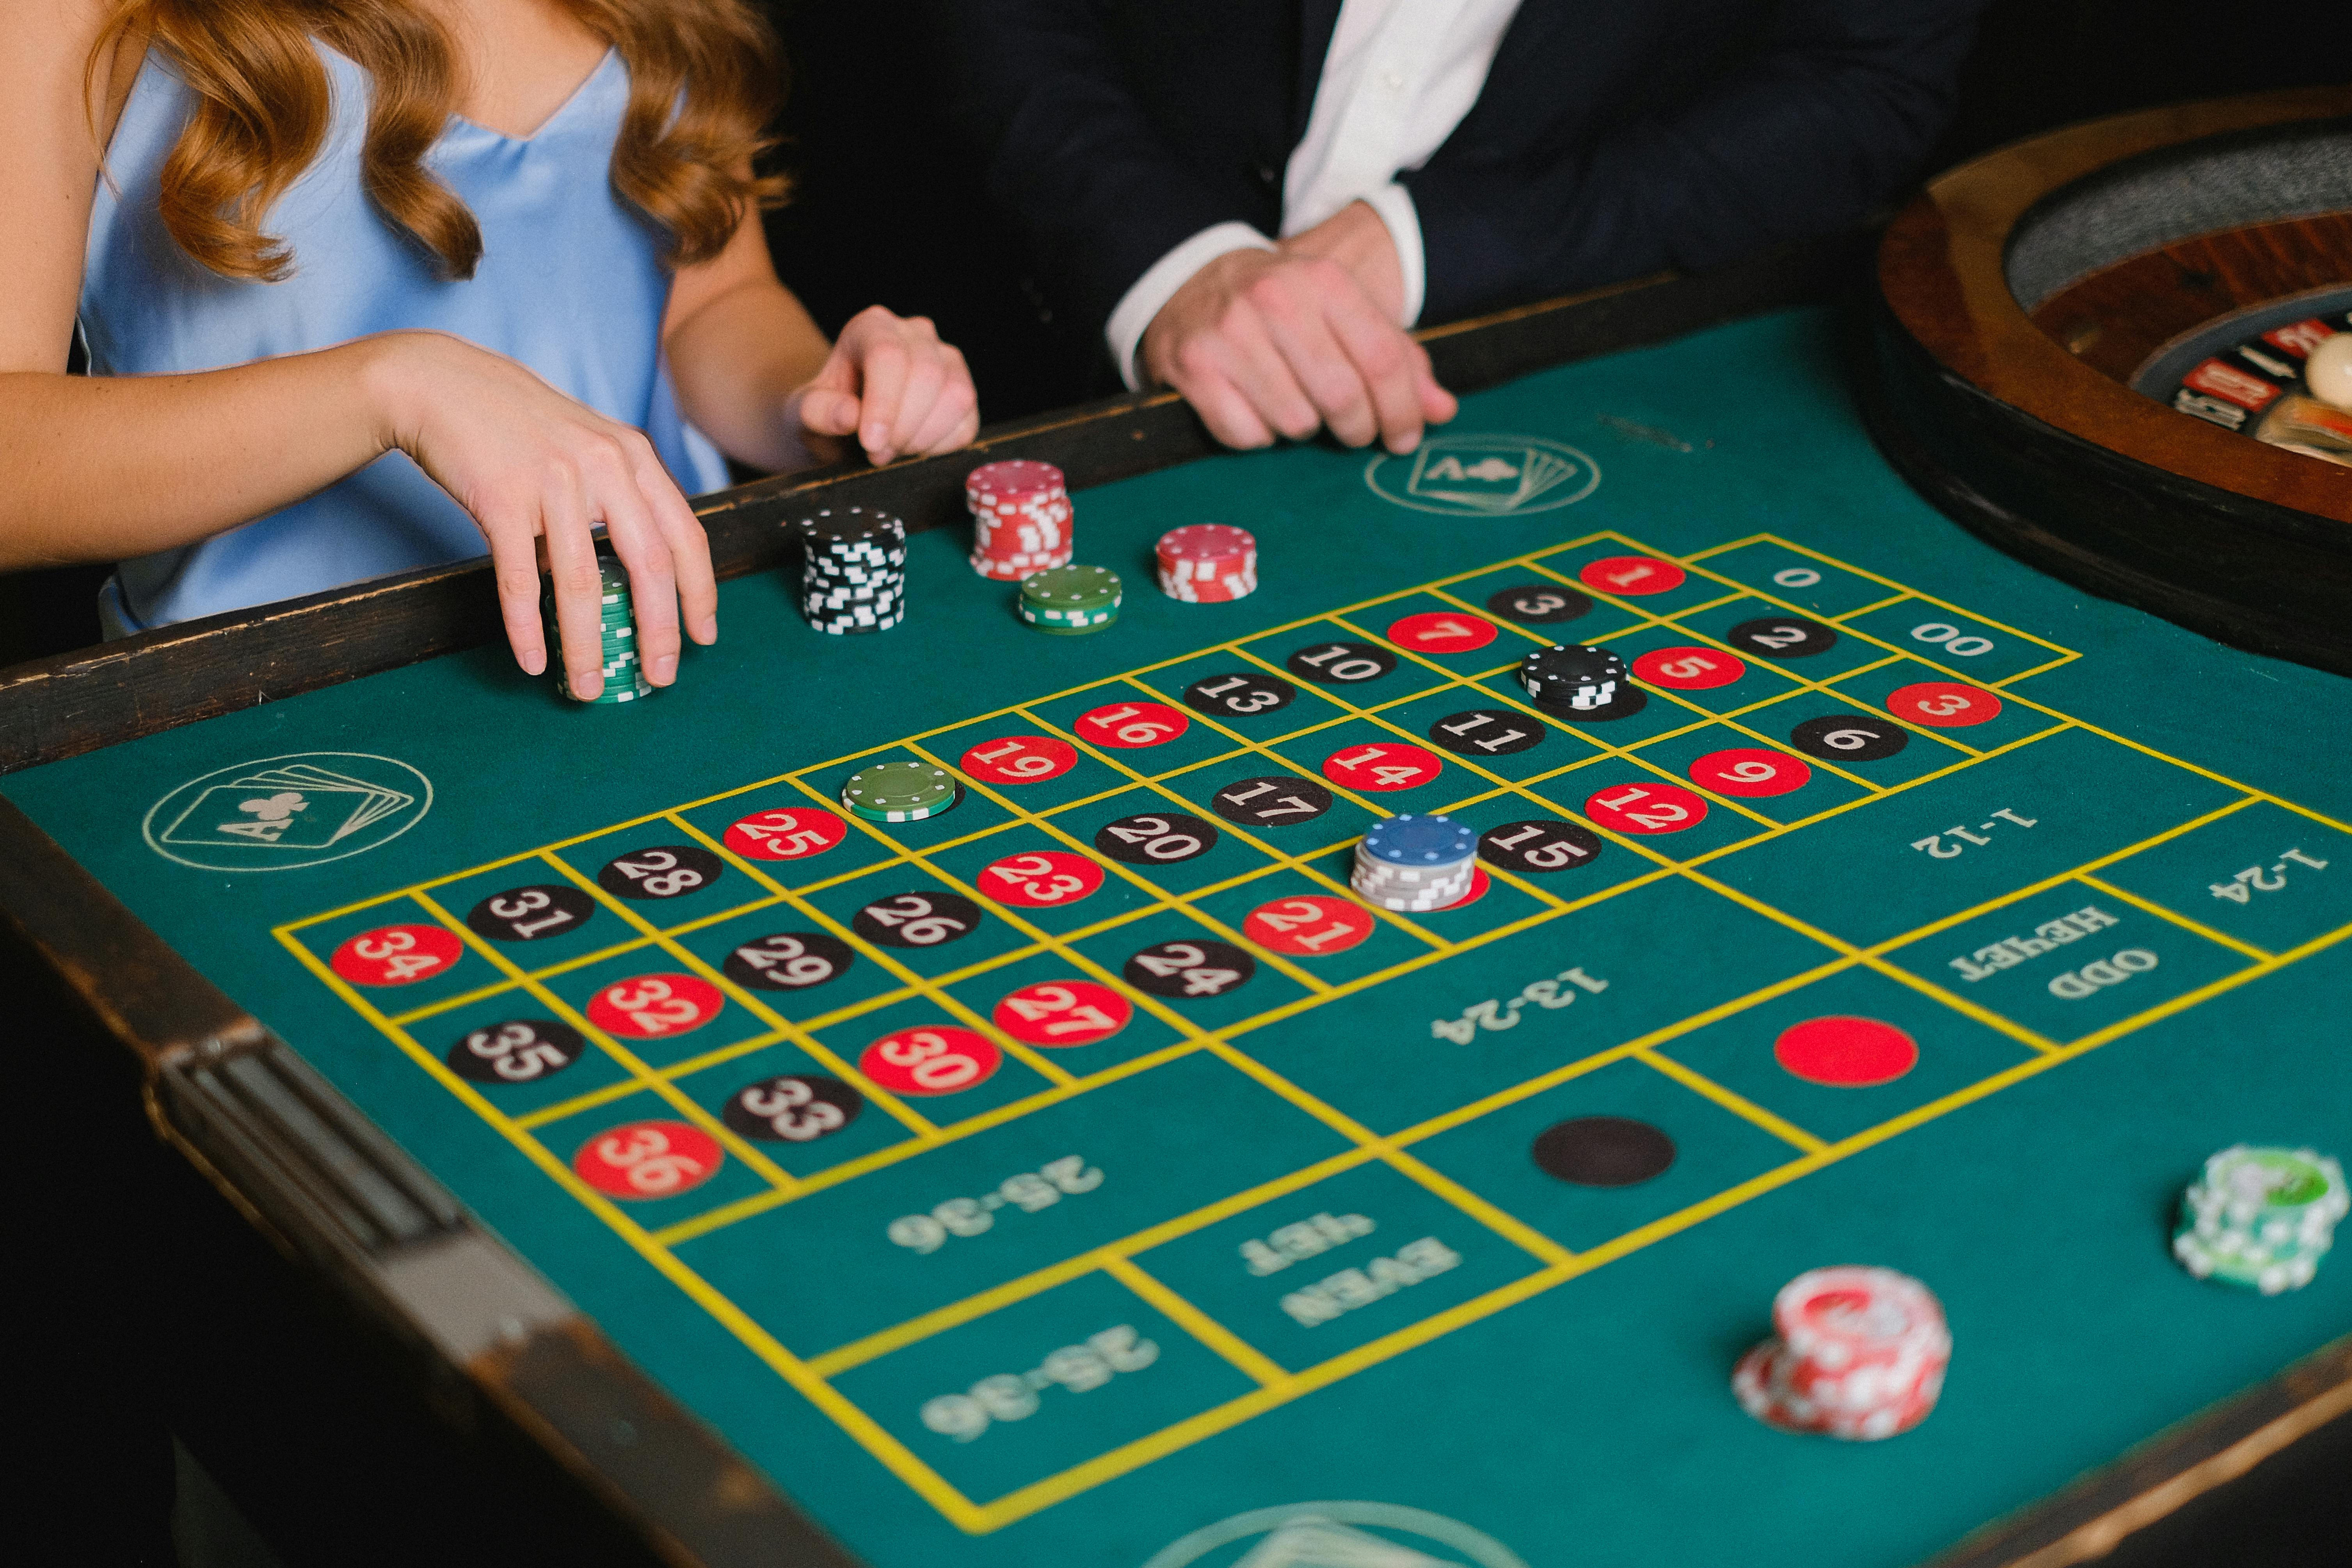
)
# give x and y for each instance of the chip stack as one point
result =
(901, 791)
(855, 575)
(1020, 519)
(1415, 863)
(1207, 562)
(1572, 675)
(1859, 1354)
(623, 672)
(1070, 601)
(2260, 1217)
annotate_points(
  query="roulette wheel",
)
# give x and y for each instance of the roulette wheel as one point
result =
(2089, 348)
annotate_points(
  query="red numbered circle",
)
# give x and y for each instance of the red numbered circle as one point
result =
(1846, 1052)
(1645, 808)
(1689, 668)
(1631, 574)
(648, 1159)
(1381, 764)
(1943, 704)
(1040, 879)
(942, 1060)
(1308, 925)
(795, 833)
(1059, 1013)
(1750, 771)
(1020, 759)
(1132, 724)
(1442, 631)
(397, 955)
(655, 1007)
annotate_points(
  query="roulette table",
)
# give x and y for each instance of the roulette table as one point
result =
(1080, 1174)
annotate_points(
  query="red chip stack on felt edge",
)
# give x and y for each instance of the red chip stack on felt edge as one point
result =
(1208, 563)
(1859, 1354)
(1020, 519)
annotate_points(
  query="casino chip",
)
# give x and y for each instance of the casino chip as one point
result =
(1782, 636)
(1189, 969)
(1603, 1151)
(789, 961)
(1156, 838)
(901, 791)
(1540, 844)
(1538, 603)
(1021, 517)
(2260, 1217)
(1070, 601)
(1849, 738)
(1207, 562)
(617, 659)
(521, 1050)
(1859, 1354)
(660, 871)
(853, 570)
(793, 1108)
(1487, 733)
(1572, 675)
(1415, 864)
(1276, 800)
(528, 914)
(1340, 663)
(1241, 696)
(916, 919)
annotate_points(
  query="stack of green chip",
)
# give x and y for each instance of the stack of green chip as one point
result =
(623, 672)
(1070, 601)
(2260, 1217)
(901, 791)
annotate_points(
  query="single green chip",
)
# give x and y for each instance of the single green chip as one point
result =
(899, 787)
(1071, 588)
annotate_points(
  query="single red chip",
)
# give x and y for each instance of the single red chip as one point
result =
(1442, 631)
(939, 1061)
(1632, 575)
(1943, 704)
(1651, 807)
(1308, 925)
(648, 1159)
(1060, 1013)
(1689, 668)
(1040, 879)
(397, 955)
(1846, 1053)
(655, 1007)
(1750, 771)
(1132, 724)
(1020, 759)
(1383, 766)
(794, 832)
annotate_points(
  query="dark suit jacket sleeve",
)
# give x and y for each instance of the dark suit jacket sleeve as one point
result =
(1040, 89)
(1829, 117)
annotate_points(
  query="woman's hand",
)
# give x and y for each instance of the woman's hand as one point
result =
(539, 471)
(892, 385)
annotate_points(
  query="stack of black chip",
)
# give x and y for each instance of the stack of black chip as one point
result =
(1572, 675)
(855, 579)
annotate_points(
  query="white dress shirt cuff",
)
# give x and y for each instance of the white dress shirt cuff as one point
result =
(1142, 302)
(1394, 205)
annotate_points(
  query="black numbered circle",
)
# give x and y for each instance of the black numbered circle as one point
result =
(1539, 844)
(1201, 968)
(1156, 838)
(1487, 733)
(1238, 695)
(527, 914)
(1849, 738)
(916, 919)
(1781, 637)
(793, 1108)
(521, 1050)
(1603, 1151)
(1341, 663)
(1276, 800)
(659, 871)
(789, 961)
(1538, 603)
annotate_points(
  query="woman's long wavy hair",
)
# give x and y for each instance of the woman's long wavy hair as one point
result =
(263, 108)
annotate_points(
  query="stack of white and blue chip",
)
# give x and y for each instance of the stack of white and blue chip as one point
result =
(854, 578)
(1415, 863)
(1572, 675)
(617, 658)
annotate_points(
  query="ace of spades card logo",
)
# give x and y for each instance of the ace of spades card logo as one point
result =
(1485, 476)
(1337, 1535)
(281, 813)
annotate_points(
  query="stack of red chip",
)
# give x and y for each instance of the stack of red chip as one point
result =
(1861, 1355)
(1020, 519)
(1207, 562)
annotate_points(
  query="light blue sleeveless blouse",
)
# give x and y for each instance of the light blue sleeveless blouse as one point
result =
(571, 284)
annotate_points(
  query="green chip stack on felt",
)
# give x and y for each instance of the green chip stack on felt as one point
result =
(1070, 601)
(2260, 1217)
(901, 791)
(623, 672)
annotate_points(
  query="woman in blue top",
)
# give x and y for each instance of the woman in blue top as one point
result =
(366, 283)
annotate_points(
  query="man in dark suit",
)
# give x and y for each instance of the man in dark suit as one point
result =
(1251, 201)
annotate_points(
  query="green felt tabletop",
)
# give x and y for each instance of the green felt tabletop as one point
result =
(976, 1296)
